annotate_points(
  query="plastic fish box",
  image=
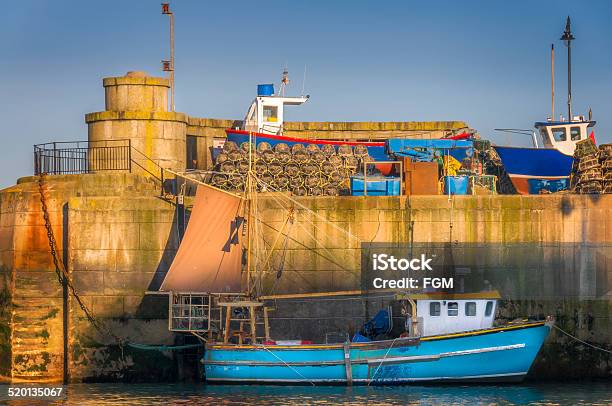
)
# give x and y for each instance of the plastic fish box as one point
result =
(456, 185)
(375, 186)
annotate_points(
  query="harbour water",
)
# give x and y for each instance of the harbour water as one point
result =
(589, 393)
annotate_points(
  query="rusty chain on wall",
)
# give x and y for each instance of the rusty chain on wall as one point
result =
(60, 269)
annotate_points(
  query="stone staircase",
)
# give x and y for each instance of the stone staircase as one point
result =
(37, 339)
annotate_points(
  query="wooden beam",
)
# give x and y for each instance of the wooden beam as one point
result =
(240, 304)
(347, 364)
(228, 318)
(307, 295)
(253, 325)
(266, 323)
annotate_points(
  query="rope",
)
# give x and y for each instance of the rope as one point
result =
(289, 366)
(381, 361)
(581, 341)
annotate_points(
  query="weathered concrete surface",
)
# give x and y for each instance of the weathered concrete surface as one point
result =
(31, 319)
(137, 110)
(136, 91)
(121, 237)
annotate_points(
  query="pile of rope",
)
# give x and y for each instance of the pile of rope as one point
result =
(304, 170)
(587, 176)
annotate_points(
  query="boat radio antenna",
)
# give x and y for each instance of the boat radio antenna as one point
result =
(567, 38)
(284, 81)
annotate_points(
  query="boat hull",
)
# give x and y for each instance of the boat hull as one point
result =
(375, 149)
(526, 165)
(499, 354)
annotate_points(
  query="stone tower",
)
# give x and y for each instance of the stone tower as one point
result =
(137, 109)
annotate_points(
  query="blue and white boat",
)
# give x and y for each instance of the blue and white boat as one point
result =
(530, 169)
(265, 118)
(549, 167)
(450, 339)
(440, 336)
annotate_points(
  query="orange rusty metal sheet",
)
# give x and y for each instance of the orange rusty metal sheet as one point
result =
(209, 257)
(421, 178)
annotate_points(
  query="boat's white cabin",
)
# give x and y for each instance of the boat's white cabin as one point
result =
(563, 135)
(450, 316)
(266, 114)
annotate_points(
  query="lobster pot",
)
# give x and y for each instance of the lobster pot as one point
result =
(281, 147)
(229, 146)
(263, 146)
(587, 177)
(605, 156)
(328, 150)
(345, 150)
(312, 148)
(302, 169)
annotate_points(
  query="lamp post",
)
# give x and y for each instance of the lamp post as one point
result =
(567, 38)
(168, 66)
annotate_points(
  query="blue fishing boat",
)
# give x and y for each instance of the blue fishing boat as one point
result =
(265, 118)
(549, 167)
(440, 347)
(376, 149)
(530, 167)
(439, 336)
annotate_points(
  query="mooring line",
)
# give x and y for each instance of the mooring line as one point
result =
(382, 360)
(581, 341)
(289, 366)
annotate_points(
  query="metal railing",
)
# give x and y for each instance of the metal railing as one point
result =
(77, 157)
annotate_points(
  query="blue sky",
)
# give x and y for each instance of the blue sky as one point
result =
(484, 62)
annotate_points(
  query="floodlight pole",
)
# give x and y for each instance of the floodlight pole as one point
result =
(170, 68)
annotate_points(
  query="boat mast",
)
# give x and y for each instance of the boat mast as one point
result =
(249, 215)
(567, 37)
(552, 80)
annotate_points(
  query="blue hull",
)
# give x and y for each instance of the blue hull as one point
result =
(375, 149)
(499, 354)
(525, 164)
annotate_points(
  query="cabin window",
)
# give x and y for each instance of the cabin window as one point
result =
(575, 133)
(270, 114)
(489, 309)
(470, 309)
(453, 309)
(544, 134)
(559, 134)
(434, 308)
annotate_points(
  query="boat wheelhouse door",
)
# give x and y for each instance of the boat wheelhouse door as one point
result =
(563, 136)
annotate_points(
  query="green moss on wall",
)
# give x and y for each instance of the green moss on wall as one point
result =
(5, 326)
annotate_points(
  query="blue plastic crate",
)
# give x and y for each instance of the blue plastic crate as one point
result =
(456, 185)
(376, 186)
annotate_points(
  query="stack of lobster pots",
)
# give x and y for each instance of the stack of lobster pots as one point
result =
(587, 175)
(304, 170)
(605, 157)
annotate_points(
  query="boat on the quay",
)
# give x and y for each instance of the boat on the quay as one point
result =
(548, 167)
